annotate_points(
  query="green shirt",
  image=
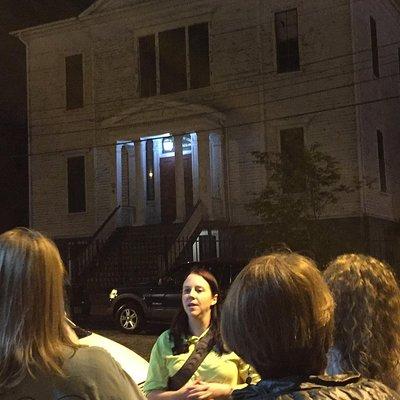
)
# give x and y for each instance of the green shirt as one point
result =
(225, 368)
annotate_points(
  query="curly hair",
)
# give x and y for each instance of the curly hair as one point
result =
(367, 317)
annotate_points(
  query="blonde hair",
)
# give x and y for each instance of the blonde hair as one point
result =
(278, 316)
(367, 316)
(33, 330)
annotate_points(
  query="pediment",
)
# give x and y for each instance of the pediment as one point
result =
(104, 6)
(157, 111)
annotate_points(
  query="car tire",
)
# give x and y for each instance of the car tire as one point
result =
(129, 318)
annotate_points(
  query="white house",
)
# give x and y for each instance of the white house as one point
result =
(141, 109)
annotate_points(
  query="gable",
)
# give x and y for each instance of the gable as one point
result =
(104, 6)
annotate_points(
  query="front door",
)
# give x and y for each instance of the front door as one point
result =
(167, 187)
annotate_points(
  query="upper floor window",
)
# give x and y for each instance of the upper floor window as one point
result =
(381, 162)
(74, 81)
(287, 41)
(76, 184)
(398, 58)
(374, 47)
(174, 60)
(292, 154)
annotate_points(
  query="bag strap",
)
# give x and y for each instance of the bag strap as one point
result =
(202, 348)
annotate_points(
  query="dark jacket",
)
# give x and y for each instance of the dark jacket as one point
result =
(339, 387)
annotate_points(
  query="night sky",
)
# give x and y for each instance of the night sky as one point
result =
(17, 14)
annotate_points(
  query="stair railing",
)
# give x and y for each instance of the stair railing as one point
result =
(189, 228)
(96, 242)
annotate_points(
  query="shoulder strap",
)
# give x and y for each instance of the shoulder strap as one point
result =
(202, 348)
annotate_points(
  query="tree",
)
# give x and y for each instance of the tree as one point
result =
(297, 192)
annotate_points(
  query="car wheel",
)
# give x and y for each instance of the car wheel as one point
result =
(129, 318)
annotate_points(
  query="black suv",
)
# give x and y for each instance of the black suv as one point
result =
(158, 300)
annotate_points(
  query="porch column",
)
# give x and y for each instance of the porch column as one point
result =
(179, 180)
(139, 201)
(203, 145)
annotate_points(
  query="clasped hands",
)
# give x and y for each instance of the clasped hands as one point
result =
(200, 390)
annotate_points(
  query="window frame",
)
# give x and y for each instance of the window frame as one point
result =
(374, 47)
(81, 104)
(279, 69)
(84, 186)
(282, 132)
(380, 142)
(187, 58)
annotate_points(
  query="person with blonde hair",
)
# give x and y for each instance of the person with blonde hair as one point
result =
(39, 356)
(278, 316)
(367, 318)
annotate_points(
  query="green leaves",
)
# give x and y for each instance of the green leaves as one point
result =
(297, 193)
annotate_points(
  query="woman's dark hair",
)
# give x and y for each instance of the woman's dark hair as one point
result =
(278, 316)
(180, 331)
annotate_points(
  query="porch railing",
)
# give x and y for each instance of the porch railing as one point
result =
(187, 232)
(93, 248)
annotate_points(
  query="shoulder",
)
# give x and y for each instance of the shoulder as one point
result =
(350, 386)
(164, 339)
(163, 343)
(93, 360)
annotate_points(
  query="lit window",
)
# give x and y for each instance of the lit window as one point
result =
(167, 145)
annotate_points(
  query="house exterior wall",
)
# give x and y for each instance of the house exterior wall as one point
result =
(256, 101)
(379, 107)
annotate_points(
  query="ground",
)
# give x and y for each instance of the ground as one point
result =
(140, 343)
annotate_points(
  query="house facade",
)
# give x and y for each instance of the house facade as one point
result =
(139, 111)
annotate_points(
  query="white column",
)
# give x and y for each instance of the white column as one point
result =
(203, 143)
(140, 200)
(179, 180)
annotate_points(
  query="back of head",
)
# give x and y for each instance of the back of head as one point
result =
(278, 316)
(33, 330)
(367, 316)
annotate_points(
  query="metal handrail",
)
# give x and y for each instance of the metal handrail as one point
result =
(188, 229)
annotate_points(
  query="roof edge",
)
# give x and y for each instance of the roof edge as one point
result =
(43, 27)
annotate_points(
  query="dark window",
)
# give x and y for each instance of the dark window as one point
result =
(177, 70)
(374, 47)
(398, 57)
(149, 170)
(287, 41)
(147, 66)
(74, 81)
(292, 155)
(381, 160)
(172, 47)
(76, 184)
(199, 56)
